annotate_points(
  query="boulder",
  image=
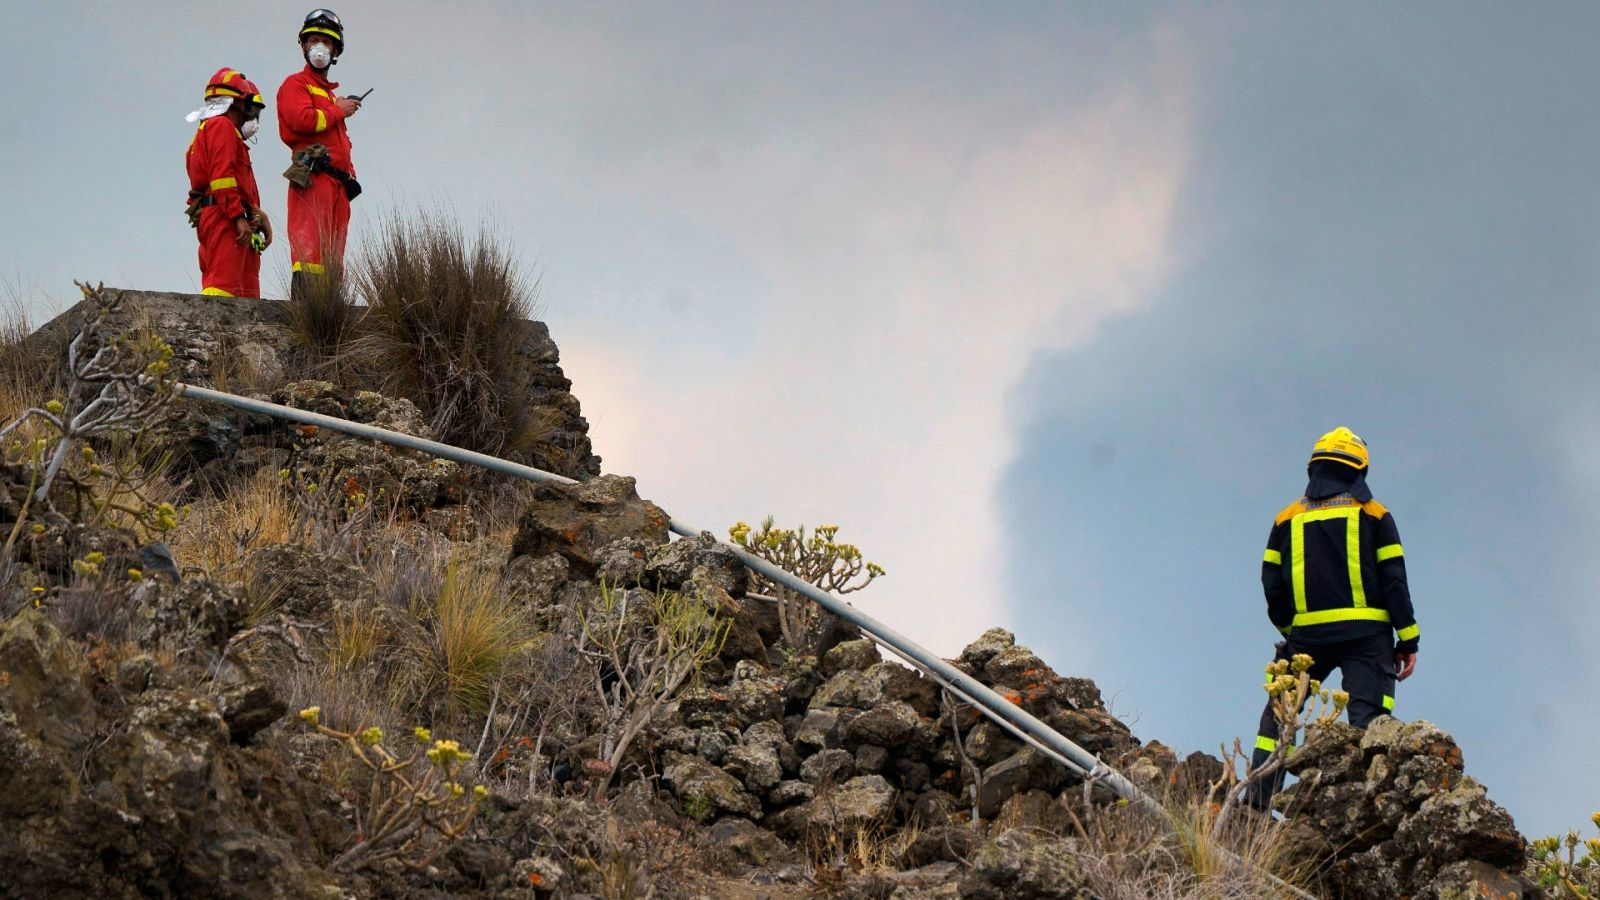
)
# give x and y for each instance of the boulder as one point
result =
(866, 801)
(1025, 770)
(671, 566)
(894, 724)
(755, 765)
(827, 767)
(620, 563)
(857, 655)
(1018, 866)
(978, 653)
(750, 844)
(303, 583)
(691, 779)
(576, 520)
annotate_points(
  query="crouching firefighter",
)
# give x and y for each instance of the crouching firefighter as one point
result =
(1334, 574)
(224, 204)
(322, 178)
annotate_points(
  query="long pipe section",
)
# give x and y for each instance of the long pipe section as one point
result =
(1010, 716)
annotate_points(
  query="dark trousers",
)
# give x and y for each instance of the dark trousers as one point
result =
(1368, 669)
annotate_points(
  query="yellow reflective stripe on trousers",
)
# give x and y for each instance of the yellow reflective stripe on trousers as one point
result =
(1266, 743)
(1388, 703)
(1352, 548)
(1410, 632)
(322, 121)
(221, 183)
(311, 267)
(215, 292)
(1272, 556)
(1390, 552)
(1324, 616)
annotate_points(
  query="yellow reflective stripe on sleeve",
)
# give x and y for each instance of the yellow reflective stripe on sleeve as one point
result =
(218, 184)
(1390, 551)
(1272, 556)
(1408, 633)
(1324, 616)
(322, 121)
(316, 91)
(313, 268)
(215, 292)
(1388, 703)
(1285, 631)
(1266, 743)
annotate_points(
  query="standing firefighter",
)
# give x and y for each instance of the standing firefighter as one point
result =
(1335, 579)
(224, 205)
(311, 120)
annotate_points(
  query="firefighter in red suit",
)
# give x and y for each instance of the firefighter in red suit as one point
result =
(311, 120)
(224, 204)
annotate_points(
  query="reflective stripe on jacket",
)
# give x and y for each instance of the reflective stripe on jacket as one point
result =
(1334, 569)
(308, 113)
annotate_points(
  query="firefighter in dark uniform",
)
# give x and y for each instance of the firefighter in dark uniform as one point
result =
(1334, 574)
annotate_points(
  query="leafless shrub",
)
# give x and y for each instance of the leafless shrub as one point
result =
(641, 648)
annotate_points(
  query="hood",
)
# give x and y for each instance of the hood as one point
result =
(1328, 479)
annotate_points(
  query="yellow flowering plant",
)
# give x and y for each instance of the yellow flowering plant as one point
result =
(817, 558)
(415, 806)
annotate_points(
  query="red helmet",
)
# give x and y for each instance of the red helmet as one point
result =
(232, 83)
(225, 83)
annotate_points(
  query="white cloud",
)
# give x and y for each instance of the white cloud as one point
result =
(914, 265)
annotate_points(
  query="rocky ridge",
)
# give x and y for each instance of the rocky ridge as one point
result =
(161, 761)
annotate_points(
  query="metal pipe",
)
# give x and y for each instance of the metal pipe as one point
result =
(1008, 715)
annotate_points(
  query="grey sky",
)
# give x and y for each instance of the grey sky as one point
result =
(1045, 289)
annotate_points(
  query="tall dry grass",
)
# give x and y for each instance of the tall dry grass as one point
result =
(27, 370)
(220, 533)
(325, 322)
(1128, 853)
(476, 634)
(442, 327)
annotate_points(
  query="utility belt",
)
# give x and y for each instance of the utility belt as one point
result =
(199, 200)
(313, 160)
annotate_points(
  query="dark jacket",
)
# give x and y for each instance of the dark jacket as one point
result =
(1334, 568)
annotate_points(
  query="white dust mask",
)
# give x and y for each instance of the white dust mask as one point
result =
(319, 56)
(249, 128)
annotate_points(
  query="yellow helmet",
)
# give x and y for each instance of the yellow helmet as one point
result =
(1341, 445)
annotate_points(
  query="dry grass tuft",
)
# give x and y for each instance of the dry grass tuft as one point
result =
(477, 633)
(1127, 853)
(443, 318)
(27, 367)
(325, 321)
(221, 533)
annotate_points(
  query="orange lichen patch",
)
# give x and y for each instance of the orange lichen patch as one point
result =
(308, 430)
(502, 755)
(1012, 697)
(534, 879)
(352, 486)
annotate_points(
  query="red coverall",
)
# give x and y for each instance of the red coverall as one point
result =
(219, 166)
(308, 113)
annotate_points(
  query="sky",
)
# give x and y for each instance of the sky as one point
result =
(1043, 303)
